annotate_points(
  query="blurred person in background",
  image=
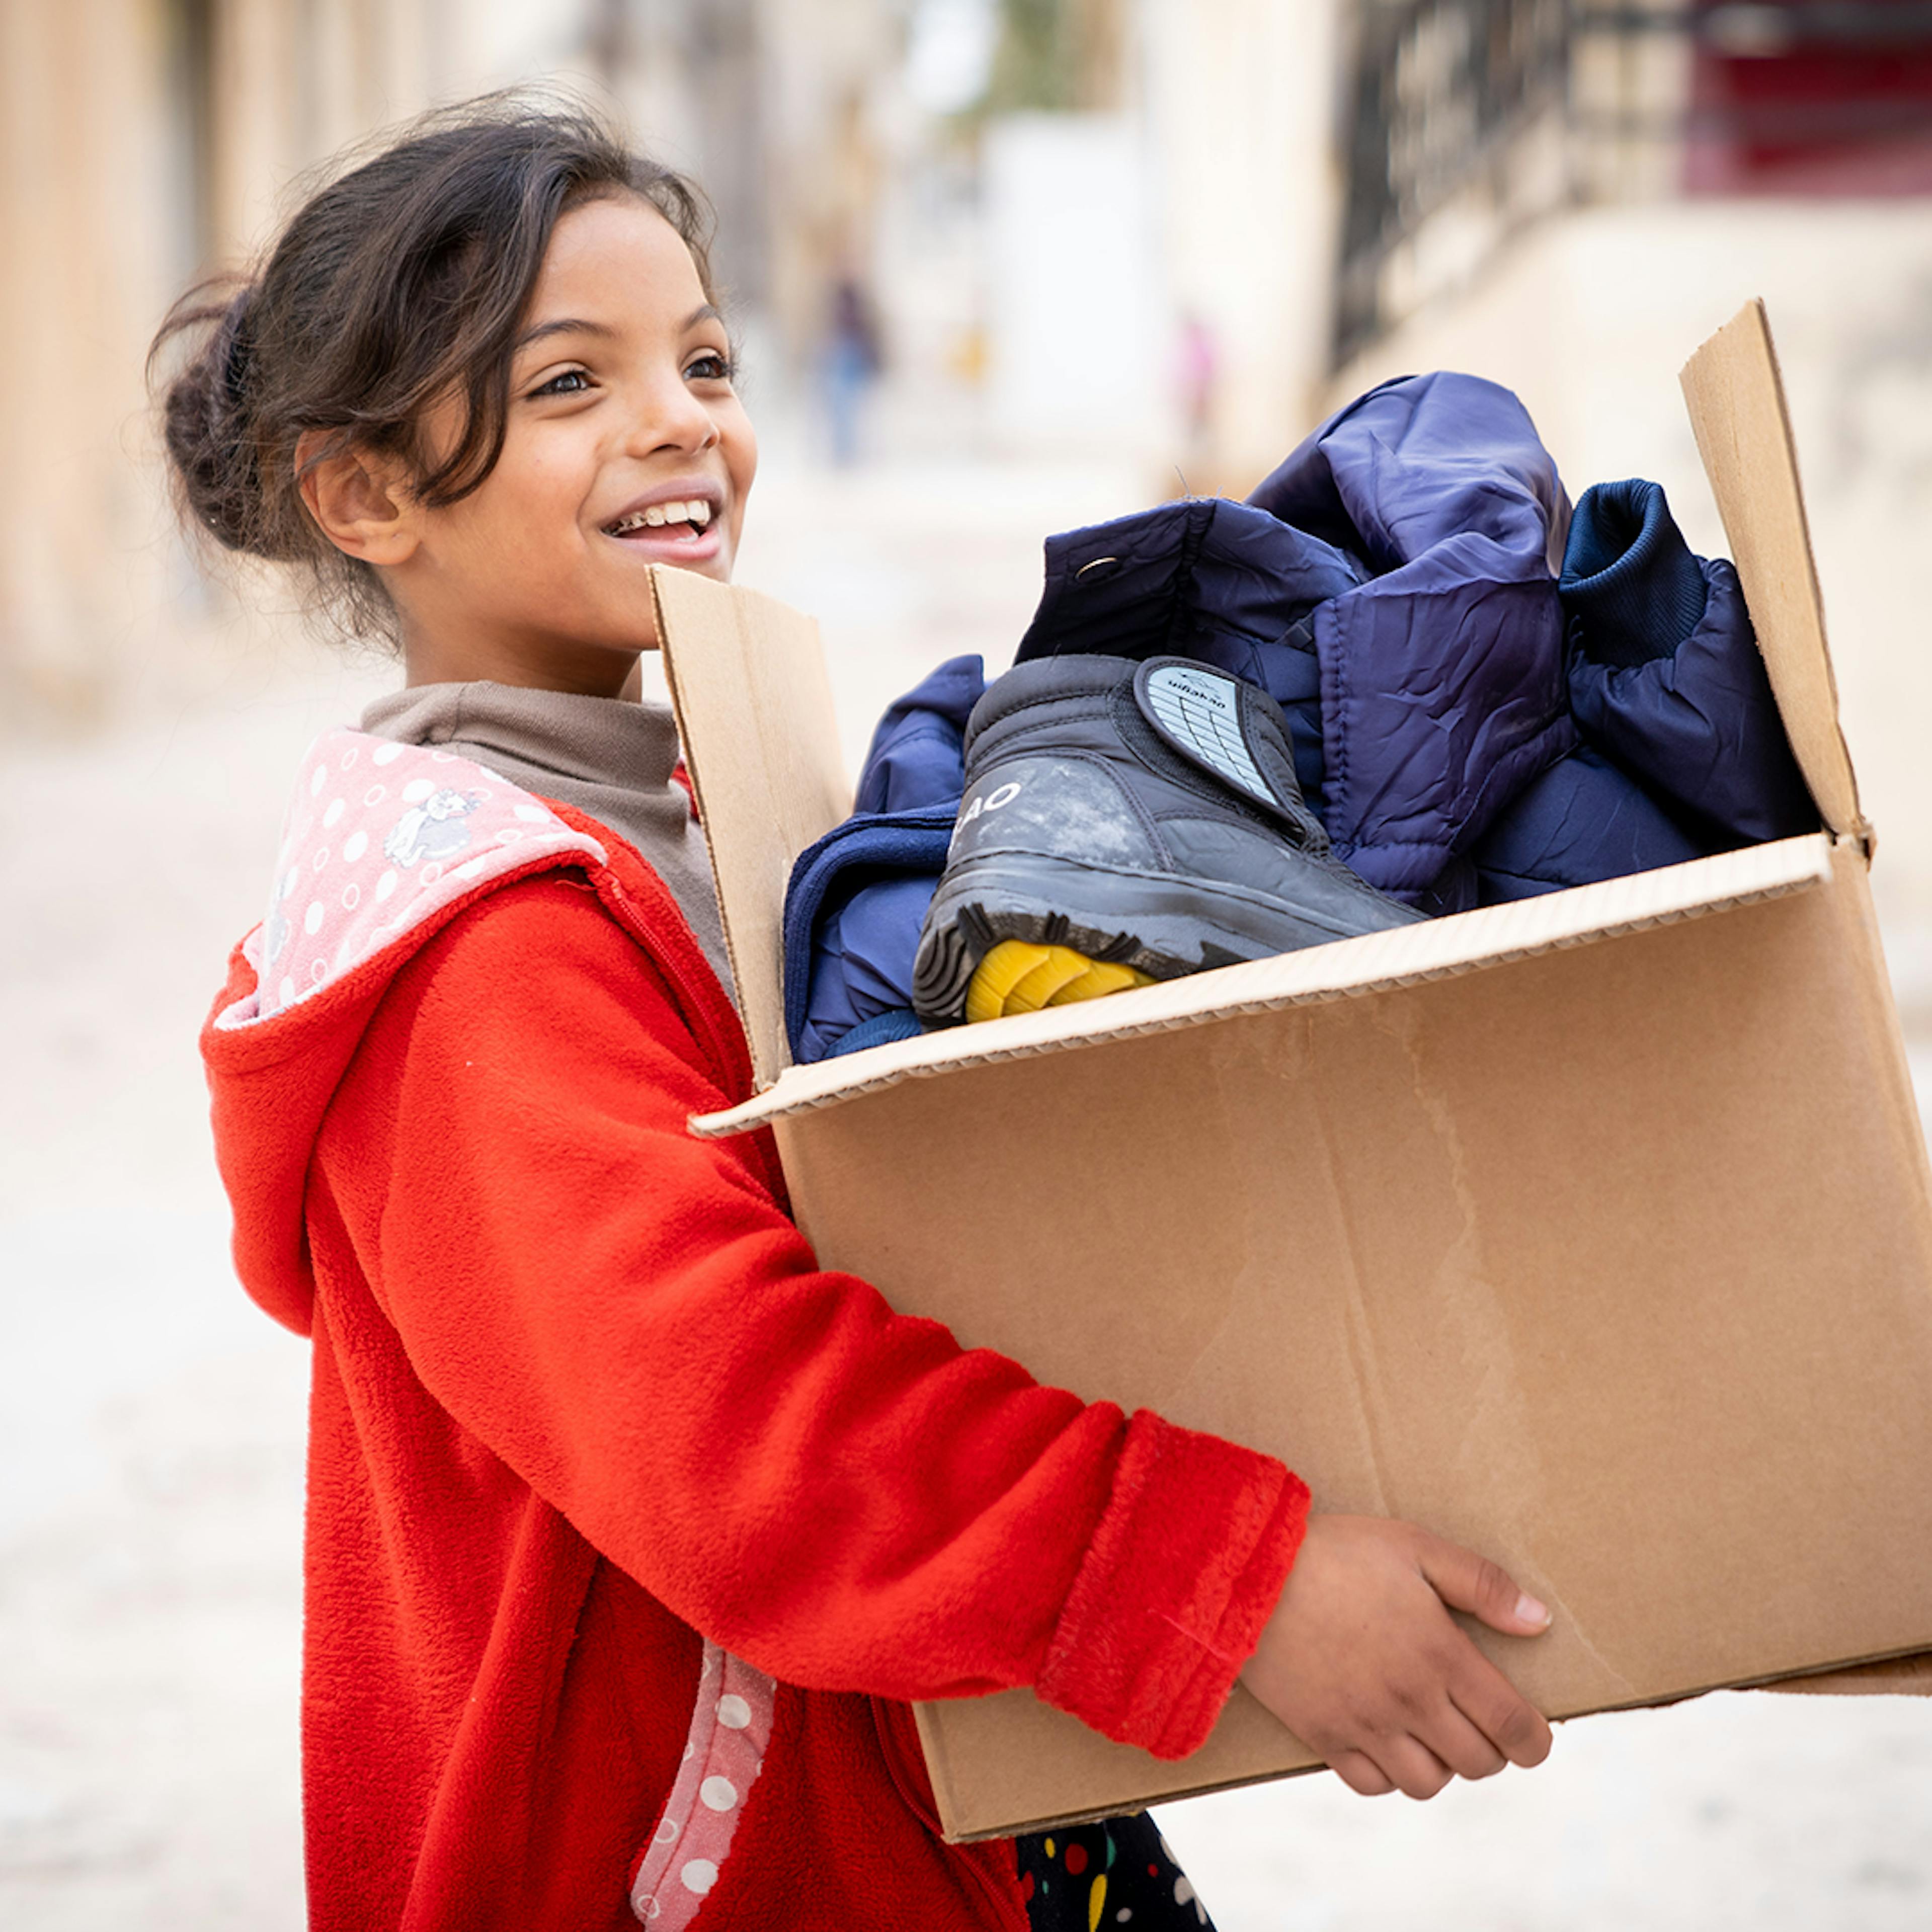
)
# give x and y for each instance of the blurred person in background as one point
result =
(851, 363)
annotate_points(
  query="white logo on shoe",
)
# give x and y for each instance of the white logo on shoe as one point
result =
(999, 795)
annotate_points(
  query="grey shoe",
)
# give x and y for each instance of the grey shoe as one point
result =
(1143, 816)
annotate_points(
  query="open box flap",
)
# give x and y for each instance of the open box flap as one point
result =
(754, 713)
(1736, 400)
(1435, 950)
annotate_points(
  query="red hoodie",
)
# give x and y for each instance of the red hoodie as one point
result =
(597, 1452)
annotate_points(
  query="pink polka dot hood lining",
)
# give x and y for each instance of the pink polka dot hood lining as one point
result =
(380, 838)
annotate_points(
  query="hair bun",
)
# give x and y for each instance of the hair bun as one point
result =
(209, 433)
(237, 345)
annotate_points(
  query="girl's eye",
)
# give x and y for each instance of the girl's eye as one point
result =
(711, 367)
(570, 382)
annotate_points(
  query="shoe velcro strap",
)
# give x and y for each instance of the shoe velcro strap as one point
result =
(1218, 724)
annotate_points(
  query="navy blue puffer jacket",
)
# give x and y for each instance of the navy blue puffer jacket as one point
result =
(856, 899)
(1468, 729)
(1684, 751)
(1442, 673)
(1661, 677)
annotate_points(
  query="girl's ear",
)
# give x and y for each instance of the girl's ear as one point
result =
(361, 501)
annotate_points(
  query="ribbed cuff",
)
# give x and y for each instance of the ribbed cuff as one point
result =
(1185, 1567)
(1630, 581)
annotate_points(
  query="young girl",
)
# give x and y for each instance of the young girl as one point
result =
(631, 1532)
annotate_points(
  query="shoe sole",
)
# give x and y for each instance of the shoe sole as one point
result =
(1151, 923)
(1018, 977)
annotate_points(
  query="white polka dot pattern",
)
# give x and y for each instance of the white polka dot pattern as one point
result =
(435, 828)
(731, 1730)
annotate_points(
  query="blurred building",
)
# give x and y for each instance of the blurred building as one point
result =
(148, 143)
(1463, 120)
(145, 143)
(1168, 230)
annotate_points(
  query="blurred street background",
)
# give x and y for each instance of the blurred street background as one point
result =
(1000, 267)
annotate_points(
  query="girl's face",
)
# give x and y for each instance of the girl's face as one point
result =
(625, 445)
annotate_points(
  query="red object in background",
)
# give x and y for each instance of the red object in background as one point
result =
(1779, 105)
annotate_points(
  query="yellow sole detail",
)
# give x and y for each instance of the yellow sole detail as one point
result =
(1101, 978)
(1017, 976)
(1003, 968)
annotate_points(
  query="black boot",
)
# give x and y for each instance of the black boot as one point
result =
(1123, 822)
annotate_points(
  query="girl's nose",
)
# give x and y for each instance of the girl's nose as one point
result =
(669, 417)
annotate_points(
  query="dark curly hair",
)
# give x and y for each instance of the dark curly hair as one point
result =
(401, 281)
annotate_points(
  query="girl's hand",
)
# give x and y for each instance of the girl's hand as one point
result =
(1364, 1664)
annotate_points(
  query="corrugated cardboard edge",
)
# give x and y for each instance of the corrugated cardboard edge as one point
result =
(1437, 949)
(755, 715)
(1735, 395)
(1909, 1675)
(932, 1742)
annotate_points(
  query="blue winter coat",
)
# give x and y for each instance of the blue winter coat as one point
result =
(1468, 729)
(1665, 674)
(853, 907)
(1684, 753)
(1442, 680)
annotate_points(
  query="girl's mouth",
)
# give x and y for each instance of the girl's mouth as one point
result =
(679, 521)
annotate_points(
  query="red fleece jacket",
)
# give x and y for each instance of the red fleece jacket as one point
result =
(581, 1393)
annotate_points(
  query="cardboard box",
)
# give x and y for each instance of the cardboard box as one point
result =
(1592, 1230)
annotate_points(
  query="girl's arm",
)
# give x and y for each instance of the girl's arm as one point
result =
(624, 1316)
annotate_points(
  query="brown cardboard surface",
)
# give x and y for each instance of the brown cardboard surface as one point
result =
(1594, 1234)
(1736, 399)
(1473, 1252)
(755, 711)
(1736, 395)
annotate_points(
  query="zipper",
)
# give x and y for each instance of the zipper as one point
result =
(691, 991)
(696, 996)
(665, 937)
(732, 1069)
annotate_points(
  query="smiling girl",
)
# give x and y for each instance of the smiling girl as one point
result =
(631, 1531)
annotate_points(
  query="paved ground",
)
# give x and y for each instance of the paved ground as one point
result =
(150, 1421)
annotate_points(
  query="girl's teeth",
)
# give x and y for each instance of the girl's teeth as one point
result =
(697, 513)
